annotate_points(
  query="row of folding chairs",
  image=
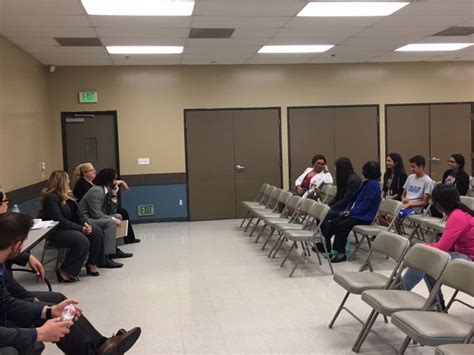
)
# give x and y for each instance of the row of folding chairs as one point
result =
(420, 318)
(298, 222)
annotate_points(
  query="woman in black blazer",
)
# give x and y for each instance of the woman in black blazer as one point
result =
(73, 232)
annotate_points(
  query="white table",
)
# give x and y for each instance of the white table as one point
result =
(36, 236)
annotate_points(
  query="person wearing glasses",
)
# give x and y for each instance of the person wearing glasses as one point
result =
(313, 177)
(455, 175)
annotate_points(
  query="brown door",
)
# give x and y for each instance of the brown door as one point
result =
(311, 131)
(90, 138)
(230, 154)
(450, 127)
(355, 135)
(257, 154)
(408, 132)
(210, 164)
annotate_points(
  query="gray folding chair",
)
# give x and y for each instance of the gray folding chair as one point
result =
(323, 190)
(289, 213)
(388, 244)
(259, 214)
(468, 201)
(427, 259)
(367, 232)
(330, 194)
(307, 237)
(455, 349)
(270, 206)
(265, 197)
(301, 221)
(437, 328)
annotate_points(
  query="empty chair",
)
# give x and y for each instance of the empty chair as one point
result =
(366, 232)
(468, 201)
(270, 205)
(330, 194)
(302, 221)
(265, 197)
(388, 244)
(437, 328)
(288, 215)
(455, 349)
(432, 262)
(306, 237)
(259, 214)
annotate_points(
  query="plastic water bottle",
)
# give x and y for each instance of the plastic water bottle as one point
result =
(69, 313)
(16, 209)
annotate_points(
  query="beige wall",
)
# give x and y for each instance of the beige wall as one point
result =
(25, 126)
(150, 100)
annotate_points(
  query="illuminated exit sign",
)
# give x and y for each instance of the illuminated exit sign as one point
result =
(88, 97)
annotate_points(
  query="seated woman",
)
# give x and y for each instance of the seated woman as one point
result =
(393, 181)
(361, 209)
(347, 183)
(313, 178)
(455, 175)
(85, 175)
(74, 232)
(457, 238)
(99, 204)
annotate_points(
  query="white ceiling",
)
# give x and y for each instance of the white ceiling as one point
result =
(33, 24)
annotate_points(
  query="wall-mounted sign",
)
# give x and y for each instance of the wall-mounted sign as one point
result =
(88, 97)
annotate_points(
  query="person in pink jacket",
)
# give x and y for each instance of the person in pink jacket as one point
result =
(458, 235)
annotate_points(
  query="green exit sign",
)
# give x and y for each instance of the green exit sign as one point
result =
(88, 97)
(146, 210)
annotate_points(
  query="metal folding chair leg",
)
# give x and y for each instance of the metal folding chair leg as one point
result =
(261, 233)
(288, 255)
(365, 331)
(404, 346)
(298, 261)
(254, 227)
(283, 239)
(245, 218)
(248, 224)
(341, 307)
(272, 230)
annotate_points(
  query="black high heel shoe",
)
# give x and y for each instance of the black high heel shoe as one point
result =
(62, 279)
(91, 273)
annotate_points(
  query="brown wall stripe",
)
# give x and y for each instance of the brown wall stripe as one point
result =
(25, 193)
(155, 179)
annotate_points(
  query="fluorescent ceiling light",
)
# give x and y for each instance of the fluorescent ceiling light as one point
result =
(317, 48)
(139, 7)
(432, 47)
(144, 49)
(347, 9)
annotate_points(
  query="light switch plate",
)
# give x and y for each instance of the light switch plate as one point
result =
(143, 161)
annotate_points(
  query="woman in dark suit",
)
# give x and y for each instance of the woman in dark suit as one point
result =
(74, 232)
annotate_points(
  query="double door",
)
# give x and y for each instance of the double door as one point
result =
(230, 153)
(335, 132)
(434, 131)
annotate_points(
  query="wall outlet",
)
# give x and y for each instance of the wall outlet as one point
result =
(143, 161)
(43, 166)
(180, 202)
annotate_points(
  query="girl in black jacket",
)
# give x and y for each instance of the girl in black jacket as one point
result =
(456, 175)
(393, 181)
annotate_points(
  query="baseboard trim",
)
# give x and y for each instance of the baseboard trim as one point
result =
(158, 220)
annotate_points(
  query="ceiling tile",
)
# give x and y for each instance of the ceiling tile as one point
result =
(423, 21)
(318, 32)
(281, 58)
(79, 62)
(59, 50)
(247, 8)
(34, 41)
(236, 22)
(225, 42)
(149, 41)
(52, 7)
(331, 22)
(172, 59)
(224, 61)
(44, 20)
(451, 7)
(48, 31)
(254, 32)
(230, 50)
(141, 21)
(294, 41)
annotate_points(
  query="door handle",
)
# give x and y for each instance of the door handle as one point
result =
(435, 159)
(239, 168)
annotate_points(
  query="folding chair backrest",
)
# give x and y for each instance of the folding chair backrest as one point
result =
(261, 192)
(266, 194)
(391, 207)
(468, 201)
(330, 194)
(319, 211)
(391, 245)
(306, 205)
(294, 202)
(284, 197)
(273, 202)
(323, 191)
(427, 259)
(459, 274)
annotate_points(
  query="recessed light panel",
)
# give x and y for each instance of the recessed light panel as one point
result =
(316, 48)
(144, 49)
(433, 47)
(351, 9)
(139, 7)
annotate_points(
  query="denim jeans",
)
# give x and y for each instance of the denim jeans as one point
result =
(413, 276)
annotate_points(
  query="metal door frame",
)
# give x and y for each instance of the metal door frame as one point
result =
(186, 110)
(84, 113)
(288, 117)
(429, 119)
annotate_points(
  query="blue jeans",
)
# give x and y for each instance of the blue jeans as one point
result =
(413, 276)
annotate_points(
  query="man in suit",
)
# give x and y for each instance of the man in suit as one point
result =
(24, 325)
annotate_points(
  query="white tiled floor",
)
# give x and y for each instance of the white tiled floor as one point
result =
(205, 287)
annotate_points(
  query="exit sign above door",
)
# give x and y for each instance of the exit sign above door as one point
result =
(88, 97)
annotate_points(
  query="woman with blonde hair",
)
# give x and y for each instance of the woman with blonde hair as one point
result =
(73, 232)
